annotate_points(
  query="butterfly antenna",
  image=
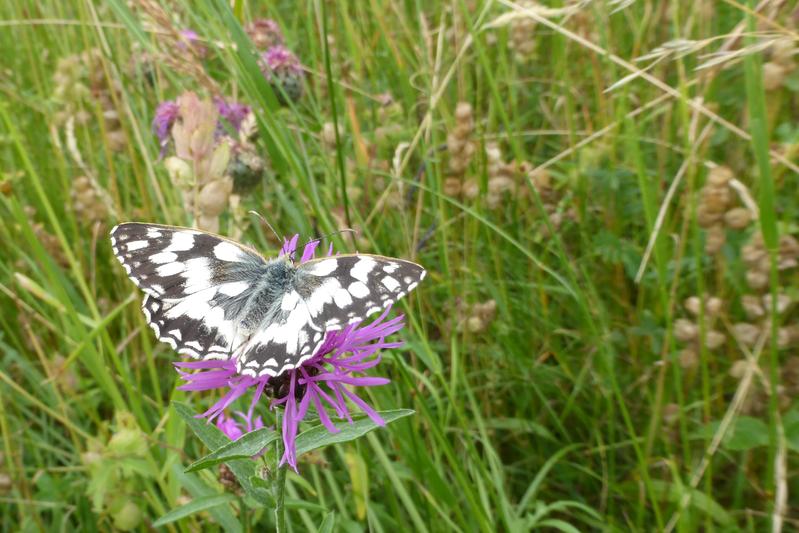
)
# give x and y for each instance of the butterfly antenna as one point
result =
(345, 230)
(268, 225)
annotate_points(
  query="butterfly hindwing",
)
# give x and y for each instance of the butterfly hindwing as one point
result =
(325, 295)
(196, 285)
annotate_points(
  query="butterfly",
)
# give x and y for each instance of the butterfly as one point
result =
(212, 298)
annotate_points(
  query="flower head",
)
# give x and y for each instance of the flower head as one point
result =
(280, 60)
(264, 33)
(191, 40)
(233, 112)
(166, 114)
(324, 382)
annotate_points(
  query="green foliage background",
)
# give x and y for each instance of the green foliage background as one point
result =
(572, 409)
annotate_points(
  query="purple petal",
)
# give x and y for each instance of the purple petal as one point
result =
(365, 408)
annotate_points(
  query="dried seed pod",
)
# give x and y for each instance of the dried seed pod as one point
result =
(746, 333)
(783, 302)
(752, 306)
(719, 176)
(452, 187)
(773, 75)
(713, 305)
(487, 310)
(714, 239)
(714, 339)
(685, 330)
(475, 324)
(706, 218)
(471, 189)
(738, 217)
(738, 368)
(459, 141)
(692, 304)
(716, 199)
(756, 279)
(688, 358)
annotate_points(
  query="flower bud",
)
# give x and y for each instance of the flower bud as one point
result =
(128, 441)
(213, 198)
(179, 171)
(128, 517)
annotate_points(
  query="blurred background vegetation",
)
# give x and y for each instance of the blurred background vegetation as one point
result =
(604, 193)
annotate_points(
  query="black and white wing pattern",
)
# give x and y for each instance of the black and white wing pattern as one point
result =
(196, 285)
(324, 295)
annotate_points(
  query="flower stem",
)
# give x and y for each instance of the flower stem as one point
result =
(279, 486)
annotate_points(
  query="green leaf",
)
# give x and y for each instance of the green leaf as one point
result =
(700, 501)
(212, 437)
(319, 436)
(327, 523)
(747, 433)
(197, 488)
(244, 448)
(194, 506)
(790, 422)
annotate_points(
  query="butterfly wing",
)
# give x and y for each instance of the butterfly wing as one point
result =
(326, 295)
(196, 284)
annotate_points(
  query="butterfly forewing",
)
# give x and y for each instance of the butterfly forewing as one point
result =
(196, 285)
(326, 295)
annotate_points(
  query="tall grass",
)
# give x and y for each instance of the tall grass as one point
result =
(575, 407)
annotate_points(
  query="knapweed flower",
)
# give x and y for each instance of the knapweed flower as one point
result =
(190, 39)
(325, 382)
(264, 33)
(283, 71)
(166, 114)
(233, 112)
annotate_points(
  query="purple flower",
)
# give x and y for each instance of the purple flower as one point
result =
(280, 60)
(264, 33)
(190, 39)
(324, 382)
(234, 113)
(233, 430)
(166, 114)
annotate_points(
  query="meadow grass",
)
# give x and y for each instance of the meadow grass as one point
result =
(605, 339)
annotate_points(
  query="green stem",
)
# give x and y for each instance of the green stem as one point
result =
(279, 487)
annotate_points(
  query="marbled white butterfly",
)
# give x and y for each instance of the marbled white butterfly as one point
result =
(212, 298)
